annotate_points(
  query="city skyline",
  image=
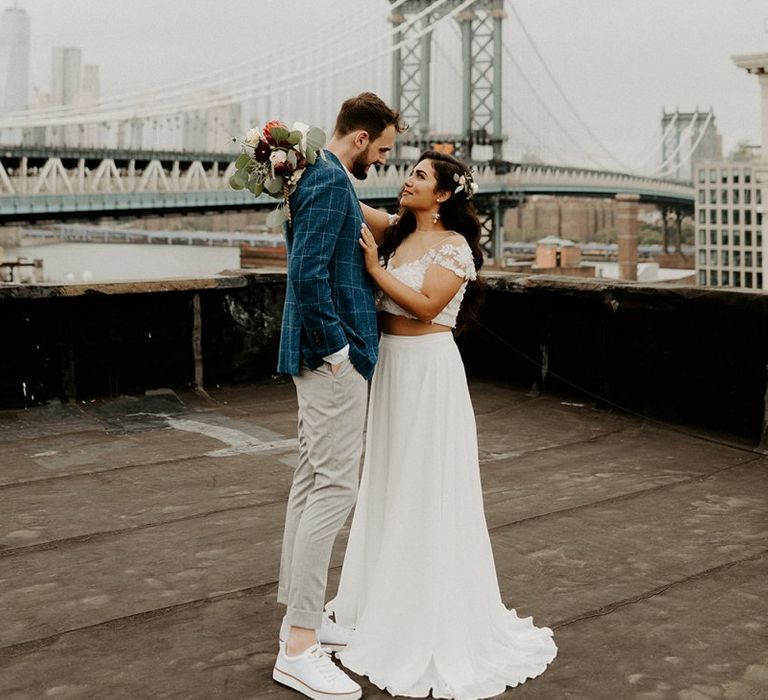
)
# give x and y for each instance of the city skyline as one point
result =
(659, 69)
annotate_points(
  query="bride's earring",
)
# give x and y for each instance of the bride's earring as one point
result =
(435, 217)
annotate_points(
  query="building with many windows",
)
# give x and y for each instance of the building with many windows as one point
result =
(730, 245)
(731, 240)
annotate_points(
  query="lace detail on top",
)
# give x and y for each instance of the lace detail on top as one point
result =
(456, 257)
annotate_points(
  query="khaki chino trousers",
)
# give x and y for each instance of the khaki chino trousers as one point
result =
(332, 412)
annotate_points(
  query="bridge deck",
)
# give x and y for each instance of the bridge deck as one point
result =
(139, 544)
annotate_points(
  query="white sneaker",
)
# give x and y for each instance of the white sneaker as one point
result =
(332, 637)
(315, 675)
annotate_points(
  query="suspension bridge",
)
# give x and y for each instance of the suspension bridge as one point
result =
(168, 149)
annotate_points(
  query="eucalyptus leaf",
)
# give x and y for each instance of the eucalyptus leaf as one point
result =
(235, 184)
(273, 185)
(277, 217)
(294, 137)
(279, 134)
(242, 161)
(256, 188)
(311, 157)
(315, 139)
(292, 158)
(241, 176)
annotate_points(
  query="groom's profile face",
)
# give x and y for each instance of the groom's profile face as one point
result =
(376, 152)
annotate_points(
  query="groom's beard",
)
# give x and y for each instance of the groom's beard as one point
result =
(360, 165)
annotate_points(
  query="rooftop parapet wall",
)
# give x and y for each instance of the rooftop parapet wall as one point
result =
(688, 355)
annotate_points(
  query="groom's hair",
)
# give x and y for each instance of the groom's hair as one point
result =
(367, 112)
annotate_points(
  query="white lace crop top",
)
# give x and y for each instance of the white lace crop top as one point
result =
(456, 257)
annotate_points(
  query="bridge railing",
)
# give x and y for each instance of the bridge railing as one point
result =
(56, 176)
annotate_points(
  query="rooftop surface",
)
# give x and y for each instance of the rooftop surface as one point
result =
(140, 540)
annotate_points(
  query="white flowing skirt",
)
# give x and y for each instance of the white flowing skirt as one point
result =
(419, 582)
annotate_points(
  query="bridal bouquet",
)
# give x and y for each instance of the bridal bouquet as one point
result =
(273, 160)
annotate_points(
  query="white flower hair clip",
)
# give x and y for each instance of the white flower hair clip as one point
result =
(466, 184)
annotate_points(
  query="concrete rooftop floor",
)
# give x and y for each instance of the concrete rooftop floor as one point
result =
(140, 539)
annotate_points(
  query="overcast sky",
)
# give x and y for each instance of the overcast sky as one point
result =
(620, 61)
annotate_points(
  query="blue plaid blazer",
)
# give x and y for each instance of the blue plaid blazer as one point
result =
(329, 299)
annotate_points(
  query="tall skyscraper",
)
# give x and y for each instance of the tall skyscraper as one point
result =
(14, 59)
(66, 75)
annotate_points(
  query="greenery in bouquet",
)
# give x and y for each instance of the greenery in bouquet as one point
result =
(272, 161)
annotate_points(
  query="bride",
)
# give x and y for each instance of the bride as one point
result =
(419, 585)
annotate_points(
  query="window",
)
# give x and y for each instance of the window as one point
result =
(748, 280)
(736, 238)
(725, 276)
(735, 196)
(759, 258)
(747, 175)
(759, 218)
(713, 175)
(747, 196)
(747, 236)
(713, 216)
(758, 196)
(737, 279)
(713, 258)
(737, 217)
(748, 217)
(702, 236)
(702, 278)
(747, 258)
(702, 216)
(723, 176)
(702, 257)
(713, 278)
(737, 258)
(736, 176)
(723, 216)
(724, 256)
(702, 175)
(713, 237)
(759, 280)
(702, 197)
(723, 197)
(724, 236)
(759, 238)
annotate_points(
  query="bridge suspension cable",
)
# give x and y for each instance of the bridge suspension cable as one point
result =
(655, 144)
(457, 72)
(684, 161)
(560, 90)
(183, 94)
(278, 84)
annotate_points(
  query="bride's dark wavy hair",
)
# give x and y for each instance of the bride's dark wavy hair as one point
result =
(458, 214)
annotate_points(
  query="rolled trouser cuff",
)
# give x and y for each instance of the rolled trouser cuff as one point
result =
(282, 596)
(304, 618)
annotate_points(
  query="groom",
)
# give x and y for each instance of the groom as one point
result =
(329, 343)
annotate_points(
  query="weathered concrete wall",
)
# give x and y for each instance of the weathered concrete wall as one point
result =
(687, 355)
(690, 356)
(77, 342)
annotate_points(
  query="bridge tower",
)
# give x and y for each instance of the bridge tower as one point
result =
(481, 42)
(481, 47)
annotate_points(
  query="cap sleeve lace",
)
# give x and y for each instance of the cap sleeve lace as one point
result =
(456, 257)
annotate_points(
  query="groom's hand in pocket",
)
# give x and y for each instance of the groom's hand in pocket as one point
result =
(335, 368)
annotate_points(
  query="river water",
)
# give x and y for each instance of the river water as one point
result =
(112, 262)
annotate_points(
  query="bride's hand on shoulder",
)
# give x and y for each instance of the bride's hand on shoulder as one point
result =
(370, 249)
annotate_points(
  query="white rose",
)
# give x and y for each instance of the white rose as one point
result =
(253, 137)
(277, 157)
